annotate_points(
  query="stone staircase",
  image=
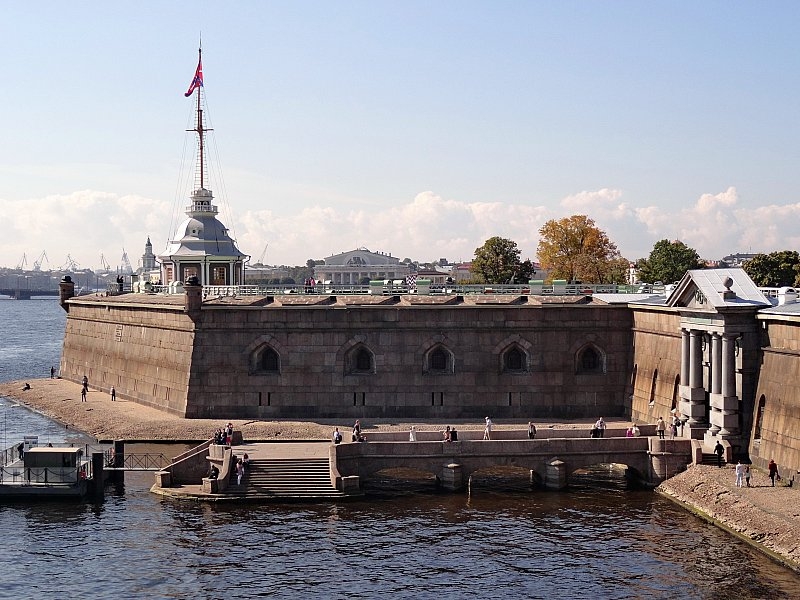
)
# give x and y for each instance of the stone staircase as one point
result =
(286, 479)
(709, 458)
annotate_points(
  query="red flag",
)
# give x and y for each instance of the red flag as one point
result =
(198, 78)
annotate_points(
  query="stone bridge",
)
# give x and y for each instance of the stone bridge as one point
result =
(553, 459)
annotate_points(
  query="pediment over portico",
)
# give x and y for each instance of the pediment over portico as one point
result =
(715, 289)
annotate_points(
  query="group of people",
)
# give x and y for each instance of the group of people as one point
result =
(633, 431)
(598, 430)
(450, 434)
(224, 435)
(84, 388)
(358, 436)
(241, 466)
(661, 426)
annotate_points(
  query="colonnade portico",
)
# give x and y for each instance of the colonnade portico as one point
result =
(711, 403)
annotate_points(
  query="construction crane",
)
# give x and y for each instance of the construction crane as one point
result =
(126, 263)
(37, 264)
(69, 265)
(24, 262)
(104, 266)
(260, 260)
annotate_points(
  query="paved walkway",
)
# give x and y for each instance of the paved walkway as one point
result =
(278, 450)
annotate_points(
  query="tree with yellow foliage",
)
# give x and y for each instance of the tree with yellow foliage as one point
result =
(575, 249)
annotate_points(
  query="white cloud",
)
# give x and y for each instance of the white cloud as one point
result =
(87, 223)
(83, 224)
(715, 227)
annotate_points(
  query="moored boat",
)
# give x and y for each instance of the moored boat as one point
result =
(31, 471)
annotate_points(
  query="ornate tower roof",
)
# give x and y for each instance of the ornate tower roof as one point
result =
(201, 245)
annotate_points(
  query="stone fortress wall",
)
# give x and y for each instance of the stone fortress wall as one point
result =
(318, 374)
(144, 351)
(215, 366)
(212, 361)
(776, 419)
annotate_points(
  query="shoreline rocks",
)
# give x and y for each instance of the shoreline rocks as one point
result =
(765, 516)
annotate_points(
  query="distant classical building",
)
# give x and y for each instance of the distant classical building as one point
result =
(736, 260)
(350, 268)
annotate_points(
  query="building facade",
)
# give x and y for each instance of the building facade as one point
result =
(360, 265)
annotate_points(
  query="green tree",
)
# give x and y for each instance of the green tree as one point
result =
(668, 262)
(775, 269)
(497, 261)
(574, 248)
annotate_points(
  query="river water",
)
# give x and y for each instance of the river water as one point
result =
(134, 544)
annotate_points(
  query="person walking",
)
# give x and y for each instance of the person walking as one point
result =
(719, 450)
(600, 427)
(739, 474)
(113, 394)
(747, 475)
(52, 372)
(531, 430)
(487, 431)
(412, 434)
(83, 394)
(660, 427)
(773, 471)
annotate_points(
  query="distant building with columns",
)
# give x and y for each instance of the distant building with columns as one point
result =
(351, 268)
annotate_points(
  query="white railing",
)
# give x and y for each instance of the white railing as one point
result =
(392, 288)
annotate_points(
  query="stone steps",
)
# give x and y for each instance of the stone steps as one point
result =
(300, 478)
(709, 458)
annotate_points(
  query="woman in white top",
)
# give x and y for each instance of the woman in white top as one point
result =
(412, 434)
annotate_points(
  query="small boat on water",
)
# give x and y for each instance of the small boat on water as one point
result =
(28, 470)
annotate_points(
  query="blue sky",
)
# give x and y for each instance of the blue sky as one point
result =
(416, 128)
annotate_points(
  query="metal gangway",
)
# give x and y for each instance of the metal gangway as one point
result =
(134, 461)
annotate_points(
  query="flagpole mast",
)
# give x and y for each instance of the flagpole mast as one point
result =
(200, 125)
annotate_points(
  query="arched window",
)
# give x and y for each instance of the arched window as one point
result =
(762, 402)
(363, 360)
(590, 360)
(675, 390)
(515, 360)
(653, 388)
(270, 362)
(438, 360)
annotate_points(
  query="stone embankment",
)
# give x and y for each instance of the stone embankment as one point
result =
(766, 516)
